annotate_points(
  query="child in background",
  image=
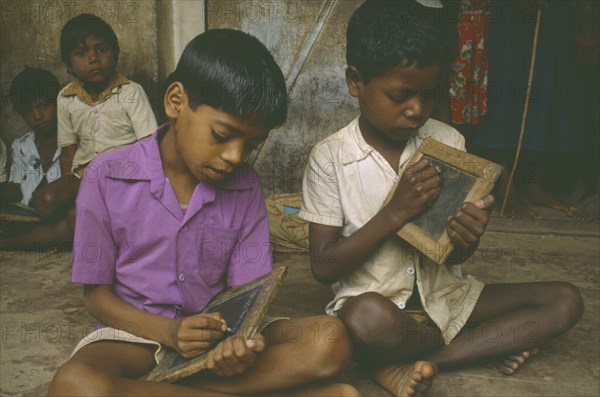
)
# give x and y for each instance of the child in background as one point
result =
(5, 196)
(3, 162)
(406, 315)
(101, 109)
(178, 229)
(556, 136)
(35, 176)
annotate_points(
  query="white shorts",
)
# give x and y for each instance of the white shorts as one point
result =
(113, 334)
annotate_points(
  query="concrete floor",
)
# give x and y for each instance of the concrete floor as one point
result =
(42, 317)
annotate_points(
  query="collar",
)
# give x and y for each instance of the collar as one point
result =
(77, 89)
(144, 163)
(29, 139)
(355, 148)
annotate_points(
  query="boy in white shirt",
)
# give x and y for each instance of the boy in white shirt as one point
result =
(406, 315)
(101, 109)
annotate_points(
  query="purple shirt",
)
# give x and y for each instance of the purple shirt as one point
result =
(132, 233)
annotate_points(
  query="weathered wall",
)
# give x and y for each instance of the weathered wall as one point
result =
(30, 31)
(178, 21)
(307, 38)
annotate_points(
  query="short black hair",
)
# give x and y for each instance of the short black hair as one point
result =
(79, 28)
(385, 34)
(31, 84)
(234, 72)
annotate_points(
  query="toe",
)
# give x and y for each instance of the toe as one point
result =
(516, 360)
(511, 363)
(417, 376)
(506, 370)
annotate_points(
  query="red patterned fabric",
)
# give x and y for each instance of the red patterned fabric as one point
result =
(468, 81)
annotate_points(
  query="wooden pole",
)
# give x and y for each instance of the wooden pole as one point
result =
(524, 118)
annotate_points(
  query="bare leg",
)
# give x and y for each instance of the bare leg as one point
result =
(317, 351)
(590, 207)
(538, 196)
(512, 318)
(534, 168)
(54, 199)
(383, 336)
(507, 319)
(36, 236)
(299, 351)
(515, 206)
(110, 369)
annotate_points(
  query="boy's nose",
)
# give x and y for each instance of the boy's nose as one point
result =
(234, 152)
(37, 114)
(414, 108)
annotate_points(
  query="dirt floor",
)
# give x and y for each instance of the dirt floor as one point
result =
(42, 317)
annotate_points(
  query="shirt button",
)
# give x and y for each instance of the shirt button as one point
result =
(183, 229)
(401, 305)
(182, 277)
(410, 270)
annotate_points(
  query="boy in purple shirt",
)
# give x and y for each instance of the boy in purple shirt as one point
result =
(167, 223)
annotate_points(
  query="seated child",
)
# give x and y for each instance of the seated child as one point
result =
(35, 167)
(406, 315)
(15, 192)
(101, 109)
(173, 233)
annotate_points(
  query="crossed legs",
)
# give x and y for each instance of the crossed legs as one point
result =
(507, 319)
(299, 353)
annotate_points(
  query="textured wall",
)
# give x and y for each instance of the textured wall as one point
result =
(319, 100)
(30, 31)
(307, 38)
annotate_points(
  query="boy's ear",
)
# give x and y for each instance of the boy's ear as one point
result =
(354, 80)
(173, 100)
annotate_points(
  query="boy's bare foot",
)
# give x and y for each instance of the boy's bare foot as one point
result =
(509, 365)
(539, 197)
(577, 214)
(406, 380)
(590, 207)
(516, 208)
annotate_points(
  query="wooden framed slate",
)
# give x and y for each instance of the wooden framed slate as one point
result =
(242, 307)
(465, 178)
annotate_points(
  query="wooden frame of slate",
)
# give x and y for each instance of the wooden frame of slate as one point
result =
(465, 178)
(242, 307)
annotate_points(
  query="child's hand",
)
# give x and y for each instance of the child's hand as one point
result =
(467, 226)
(419, 186)
(196, 334)
(234, 355)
